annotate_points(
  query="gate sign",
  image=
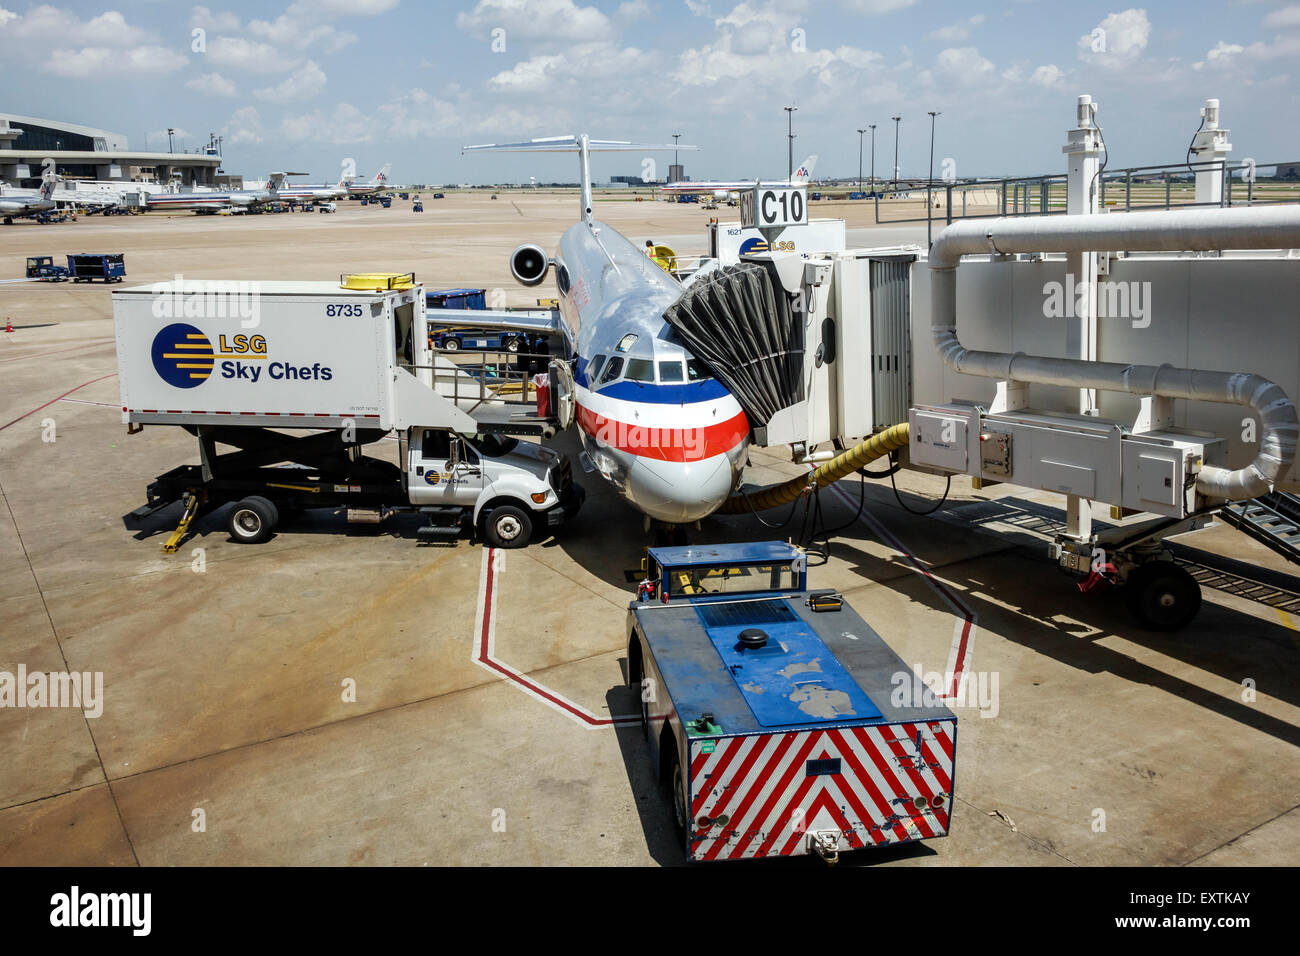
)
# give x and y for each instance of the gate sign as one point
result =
(774, 207)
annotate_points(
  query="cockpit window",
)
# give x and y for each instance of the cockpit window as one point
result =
(640, 370)
(670, 372)
(625, 342)
(697, 371)
(593, 367)
(612, 369)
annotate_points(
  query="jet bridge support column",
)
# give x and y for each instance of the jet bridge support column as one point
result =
(1210, 145)
(1083, 187)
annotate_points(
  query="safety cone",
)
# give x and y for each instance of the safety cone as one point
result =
(9, 324)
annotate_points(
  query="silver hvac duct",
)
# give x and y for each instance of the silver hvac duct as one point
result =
(1203, 229)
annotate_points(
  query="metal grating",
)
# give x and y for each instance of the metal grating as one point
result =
(891, 341)
(744, 613)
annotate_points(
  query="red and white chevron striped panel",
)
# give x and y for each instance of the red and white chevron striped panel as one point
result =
(757, 795)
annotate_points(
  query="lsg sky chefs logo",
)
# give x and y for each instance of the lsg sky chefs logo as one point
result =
(184, 357)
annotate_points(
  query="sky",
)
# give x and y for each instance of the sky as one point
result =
(320, 86)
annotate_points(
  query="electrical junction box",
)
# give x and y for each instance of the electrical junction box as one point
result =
(939, 435)
(1088, 457)
(1160, 468)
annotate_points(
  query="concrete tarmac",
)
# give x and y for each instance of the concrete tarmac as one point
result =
(225, 666)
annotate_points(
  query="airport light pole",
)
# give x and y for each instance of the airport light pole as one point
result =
(929, 183)
(872, 127)
(896, 120)
(169, 139)
(789, 131)
(676, 137)
(860, 132)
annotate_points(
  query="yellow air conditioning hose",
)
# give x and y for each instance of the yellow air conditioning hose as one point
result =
(877, 446)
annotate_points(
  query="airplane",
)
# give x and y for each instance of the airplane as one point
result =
(209, 202)
(376, 185)
(307, 192)
(654, 422)
(25, 203)
(722, 190)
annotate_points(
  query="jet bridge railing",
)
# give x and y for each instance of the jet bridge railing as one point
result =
(1165, 186)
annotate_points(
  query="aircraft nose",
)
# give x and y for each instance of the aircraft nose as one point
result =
(679, 492)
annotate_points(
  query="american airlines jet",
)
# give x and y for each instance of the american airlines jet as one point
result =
(722, 189)
(376, 185)
(655, 423)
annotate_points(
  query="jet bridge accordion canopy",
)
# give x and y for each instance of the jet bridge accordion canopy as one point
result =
(742, 325)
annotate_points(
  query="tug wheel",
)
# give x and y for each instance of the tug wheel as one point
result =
(1163, 596)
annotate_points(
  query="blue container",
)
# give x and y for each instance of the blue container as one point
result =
(456, 299)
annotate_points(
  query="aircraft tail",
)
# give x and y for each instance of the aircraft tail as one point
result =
(381, 177)
(803, 172)
(47, 187)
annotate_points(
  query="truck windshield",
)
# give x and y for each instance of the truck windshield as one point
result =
(491, 445)
(732, 579)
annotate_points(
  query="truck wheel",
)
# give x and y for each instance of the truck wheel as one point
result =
(636, 680)
(1163, 596)
(252, 520)
(451, 345)
(508, 527)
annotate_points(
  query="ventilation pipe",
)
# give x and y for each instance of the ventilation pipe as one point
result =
(1196, 230)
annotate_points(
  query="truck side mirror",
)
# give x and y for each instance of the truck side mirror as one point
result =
(453, 453)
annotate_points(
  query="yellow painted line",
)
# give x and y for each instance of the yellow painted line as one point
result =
(1285, 618)
(313, 490)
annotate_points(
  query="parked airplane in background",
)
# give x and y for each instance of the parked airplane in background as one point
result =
(376, 185)
(722, 190)
(307, 192)
(209, 202)
(17, 204)
(667, 436)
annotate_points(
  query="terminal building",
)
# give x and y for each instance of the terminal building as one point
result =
(86, 153)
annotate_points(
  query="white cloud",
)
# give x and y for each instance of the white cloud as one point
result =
(93, 60)
(212, 84)
(1119, 38)
(1049, 76)
(205, 18)
(244, 126)
(243, 54)
(47, 24)
(552, 20)
(875, 8)
(963, 62)
(304, 83)
(956, 32)
(344, 124)
(1284, 18)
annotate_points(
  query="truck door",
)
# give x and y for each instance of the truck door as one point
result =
(438, 474)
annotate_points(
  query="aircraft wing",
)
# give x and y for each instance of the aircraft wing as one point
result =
(569, 144)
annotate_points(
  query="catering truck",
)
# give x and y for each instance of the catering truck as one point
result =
(296, 378)
(779, 721)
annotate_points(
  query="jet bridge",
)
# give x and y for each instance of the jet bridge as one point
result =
(1142, 361)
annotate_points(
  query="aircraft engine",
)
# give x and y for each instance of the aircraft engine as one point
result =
(528, 264)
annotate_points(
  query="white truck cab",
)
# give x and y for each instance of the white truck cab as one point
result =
(508, 487)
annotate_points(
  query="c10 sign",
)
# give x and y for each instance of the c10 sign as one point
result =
(776, 207)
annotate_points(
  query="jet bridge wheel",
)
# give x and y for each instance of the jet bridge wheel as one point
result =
(1163, 596)
(252, 520)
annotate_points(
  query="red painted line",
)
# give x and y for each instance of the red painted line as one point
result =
(485, 658)
(53, 400)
